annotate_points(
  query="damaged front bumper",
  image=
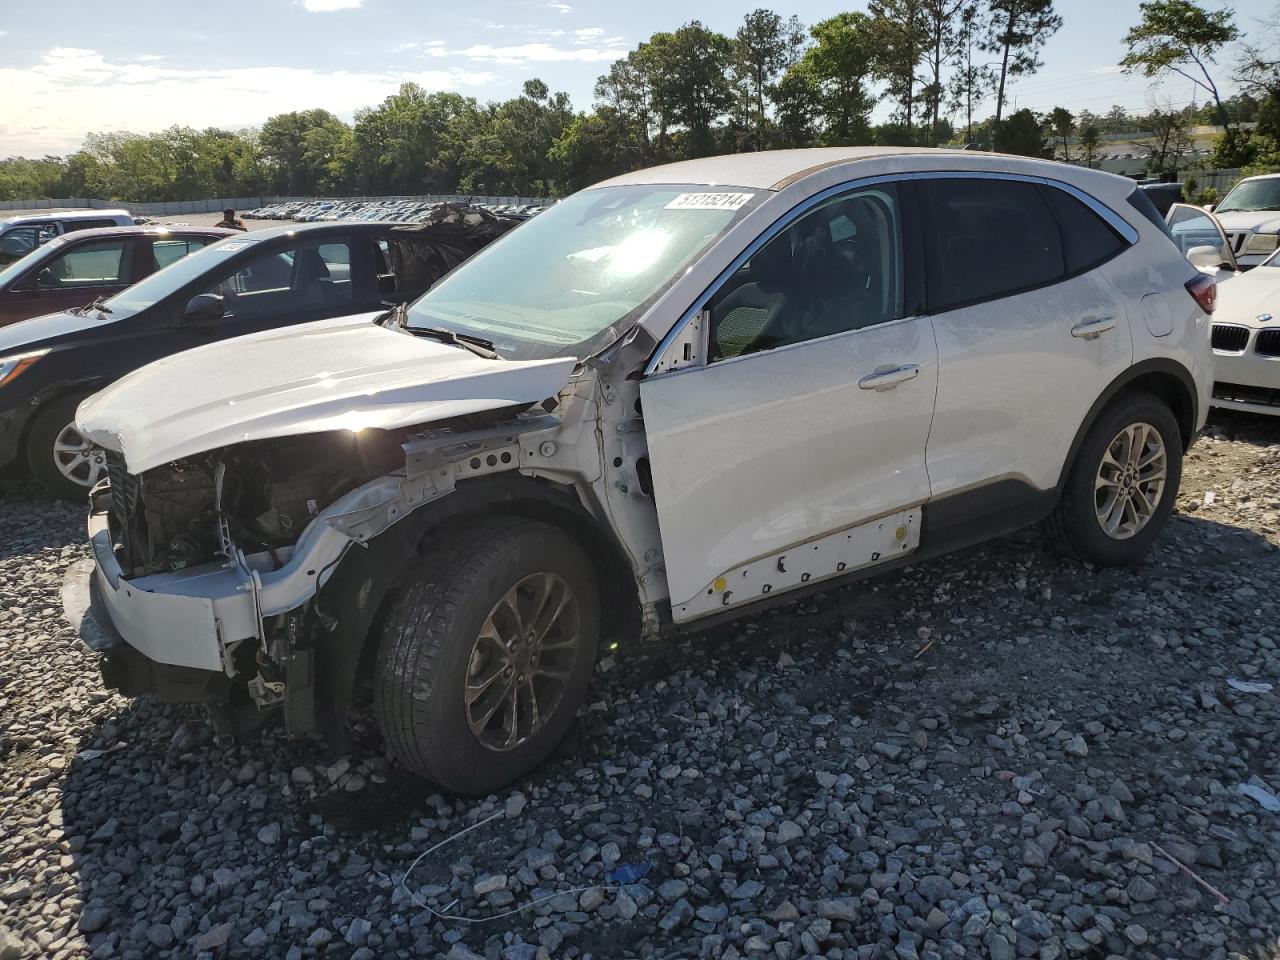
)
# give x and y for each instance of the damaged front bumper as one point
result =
(153, 628)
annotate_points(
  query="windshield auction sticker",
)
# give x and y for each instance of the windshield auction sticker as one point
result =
(231, 246)
(709, 201)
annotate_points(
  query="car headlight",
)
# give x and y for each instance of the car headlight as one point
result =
(11, 367)
(1262, 243)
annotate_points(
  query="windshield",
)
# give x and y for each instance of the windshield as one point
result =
(1252, 195)
(15, 269)
(178, 274)
(573, 279)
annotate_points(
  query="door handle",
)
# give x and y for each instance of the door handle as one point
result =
(888, 377)
(1091, 328)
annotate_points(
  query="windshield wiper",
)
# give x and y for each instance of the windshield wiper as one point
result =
(398, 316)
(477, 345)
(100, 305)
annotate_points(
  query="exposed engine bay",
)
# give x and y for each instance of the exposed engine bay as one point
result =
(258, 496)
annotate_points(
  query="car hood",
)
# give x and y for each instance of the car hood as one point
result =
(49, 330)
(1259, 221)
(1247, 296)
(342, 374)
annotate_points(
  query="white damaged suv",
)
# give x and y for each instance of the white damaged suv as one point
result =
(675, 396)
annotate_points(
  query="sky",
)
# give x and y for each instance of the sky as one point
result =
(72, 67)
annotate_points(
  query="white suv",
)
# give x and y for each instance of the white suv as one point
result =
(676, 396)
(1250, 214)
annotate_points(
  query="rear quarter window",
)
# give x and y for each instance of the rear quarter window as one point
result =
(1087, 239)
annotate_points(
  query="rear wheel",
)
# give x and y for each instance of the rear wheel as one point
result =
(1123, 484)
(59, 458)
(486, 656)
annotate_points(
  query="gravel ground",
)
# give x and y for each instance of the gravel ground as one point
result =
(999, 754)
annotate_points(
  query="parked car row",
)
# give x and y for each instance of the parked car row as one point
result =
(21, 234)
(116, 309)
(1246, 323)
(677, 396)
(385, 211)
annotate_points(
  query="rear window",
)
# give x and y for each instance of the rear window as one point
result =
(1087, 239)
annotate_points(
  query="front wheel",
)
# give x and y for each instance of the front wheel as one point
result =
(1122, 486)
(486, 656)
(59, 458)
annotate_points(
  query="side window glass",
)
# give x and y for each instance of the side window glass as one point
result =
(836, 268)
(171, 251)
(20, 241)
(991, 238)
(100, 263)
(299, 278)
(1087, 239)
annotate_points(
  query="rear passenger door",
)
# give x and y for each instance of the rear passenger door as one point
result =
(1029, 332)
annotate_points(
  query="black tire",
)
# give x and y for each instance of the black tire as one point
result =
(1073, 529)
(46, 427)
(426, 649)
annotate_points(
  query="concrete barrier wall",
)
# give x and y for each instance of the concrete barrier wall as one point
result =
(176, 207)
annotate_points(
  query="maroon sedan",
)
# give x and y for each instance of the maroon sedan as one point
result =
(77, 268)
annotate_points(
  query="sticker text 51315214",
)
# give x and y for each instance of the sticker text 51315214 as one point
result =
(709, 201)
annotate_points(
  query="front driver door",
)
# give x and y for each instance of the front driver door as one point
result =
(79, 274)
(797, 451)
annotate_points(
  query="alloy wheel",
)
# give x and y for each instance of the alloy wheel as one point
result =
(1130, 481)
(77, 459)
(521, 662)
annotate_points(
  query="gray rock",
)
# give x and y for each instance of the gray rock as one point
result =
(677, 917)
(838, 908)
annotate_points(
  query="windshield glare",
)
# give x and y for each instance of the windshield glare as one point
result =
(573, 279)
(178, 274)
(1253, 195)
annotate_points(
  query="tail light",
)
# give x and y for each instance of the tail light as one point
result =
(1204, 289)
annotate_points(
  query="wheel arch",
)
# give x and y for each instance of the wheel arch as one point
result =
(354, 600)
(1162, 377)
(46, 397)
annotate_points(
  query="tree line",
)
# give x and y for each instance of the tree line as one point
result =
(939, 66)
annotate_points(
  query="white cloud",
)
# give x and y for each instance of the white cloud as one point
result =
(328, 6)
(587, 34)
(72, 91)
(542, 53)
(559, 7)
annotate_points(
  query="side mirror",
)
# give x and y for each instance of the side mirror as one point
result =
(1205, 257)
(1210, 207)
(205, 308)
(46, 278)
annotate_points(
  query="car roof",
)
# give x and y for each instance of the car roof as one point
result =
(329, 226)
(775, 169)
(63, 215)
(151, 229)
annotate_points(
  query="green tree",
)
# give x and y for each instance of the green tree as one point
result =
(972, 82)
(304, 151)
(1089, 139)
(593, 148)
(900, 38)
(1168, 142)
(1178, 36)
(764, 47)
(833, 74)
(627, 89)
(943, 24)
(1016, 31)
(1063, 125)
(1022, 133)
(689, 73)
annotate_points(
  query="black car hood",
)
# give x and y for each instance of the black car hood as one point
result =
(50, 330)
